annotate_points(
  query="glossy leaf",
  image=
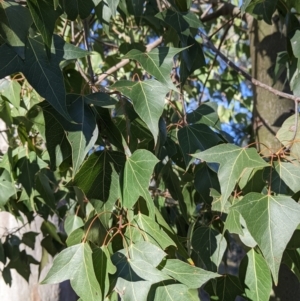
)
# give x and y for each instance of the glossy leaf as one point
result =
(148, 98)
(271, 220)
(256, 277)
(82, 278)
(136, 178)
(233, 161)
(158, 62)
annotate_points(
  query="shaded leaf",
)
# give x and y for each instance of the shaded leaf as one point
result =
(28, 239)
(75, 263)
(194, 138)
(148, 98)
(224, 288)
(271, 220)
(44, 16)
(73, 8)
(15, 21)
(210, 246)
(233, 161)
(98, 177)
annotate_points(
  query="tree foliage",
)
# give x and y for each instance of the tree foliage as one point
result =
(115, 124)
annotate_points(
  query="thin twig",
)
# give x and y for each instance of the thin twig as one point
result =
(214, 61)
(124, 62)
(87, 47)
(296, 99)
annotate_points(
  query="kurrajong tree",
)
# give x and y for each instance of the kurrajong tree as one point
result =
(116, 117)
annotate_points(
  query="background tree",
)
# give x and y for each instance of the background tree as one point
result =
(118, 115)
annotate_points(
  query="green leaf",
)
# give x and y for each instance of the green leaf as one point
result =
(265, 9)
(49, 228)
(172, 292)
(196, 137)
(148, 98)
(136, 270)
(145, 228)
(271, 220)
(44, 16)
(7, 187)
(210, 246)
(224, 288)
(73, 8)
(138, 170)
(205, 179)
(189, 275)
(83, 136)
(233, 161)
(103, 266)
(11, 90)
(256, 277)
(98, 177)
(207, 114)
(15, 21)
(99, 99)
(232, 223)
(28, 239)
(42, 185)
(72, 222)
(49, 83)
(11, 62)
(158, 62)
(51, 129)
(286, 134)
(75, 263)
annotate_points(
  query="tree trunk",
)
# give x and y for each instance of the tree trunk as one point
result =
(270, 111)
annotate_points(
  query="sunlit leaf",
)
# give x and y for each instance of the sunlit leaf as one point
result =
(75, 263)
(233, 161)
(136, 178)
(72, 223)
(158, 62)
(189, 275)
(255, 275)
(7, 186)
(148, 98)
(271, 220)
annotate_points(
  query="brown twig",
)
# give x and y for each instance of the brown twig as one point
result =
(296, 99)
(124, 62)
